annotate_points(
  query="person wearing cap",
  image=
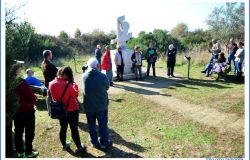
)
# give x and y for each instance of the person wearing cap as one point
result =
(107, 65)
(171, 59)
(119, 64)
(136, 58)
(24, 116)
(31, 80)
(95, 86)
(98, 53)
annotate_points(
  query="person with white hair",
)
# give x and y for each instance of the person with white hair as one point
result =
(95, 86)
(31, 79)
(171, 59)
(98, 53)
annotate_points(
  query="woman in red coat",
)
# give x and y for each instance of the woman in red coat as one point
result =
(56, 87)
(107, 65)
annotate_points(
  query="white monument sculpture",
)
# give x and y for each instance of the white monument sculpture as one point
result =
(122, 32)
(122, 37)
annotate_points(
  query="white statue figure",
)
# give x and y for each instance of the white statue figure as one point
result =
(122, 32)
(122, 37)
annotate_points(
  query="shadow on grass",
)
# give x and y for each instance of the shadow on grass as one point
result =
(114, 152)
(139, 90)
(41, 104)
(201, 83)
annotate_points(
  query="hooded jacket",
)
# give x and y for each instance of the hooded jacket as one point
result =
(95, 86)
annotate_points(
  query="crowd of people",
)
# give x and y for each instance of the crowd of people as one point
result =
(96, 80)
(218, 62)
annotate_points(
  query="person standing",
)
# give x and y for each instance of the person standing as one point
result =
(171, 59)
(215, 50)
(64, 80)
(239, 58)
(151, 58)
(24, 118)
(49, 70)
(119, 64)
(232, 48)
(137, 61)
(107, 65)
(95, 86)
(98, 53)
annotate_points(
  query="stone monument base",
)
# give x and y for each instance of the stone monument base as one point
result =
(131, 75)
(128, 74)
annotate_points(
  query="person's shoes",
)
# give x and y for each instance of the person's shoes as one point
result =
(67, 146)
(95, 145)
(207, 75)
(203, 71)
(20, 155)
(105, 146)
(141, 79)
(172, 75)
(169, 77)
(33, 154)
(81, 149)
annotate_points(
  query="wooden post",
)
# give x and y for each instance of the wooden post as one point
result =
(188, 67)
(188, 58)
(75, 63)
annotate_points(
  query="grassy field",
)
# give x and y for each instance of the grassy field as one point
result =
(141, 128)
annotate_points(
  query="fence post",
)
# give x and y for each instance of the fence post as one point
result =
(188, 58)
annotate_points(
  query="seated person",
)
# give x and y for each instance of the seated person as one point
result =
(209, 67)
(221, 67)
(31, 80)
(215, 64)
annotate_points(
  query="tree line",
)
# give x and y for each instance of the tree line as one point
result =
(24, 43)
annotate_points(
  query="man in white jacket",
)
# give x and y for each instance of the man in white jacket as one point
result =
(119, 64)
(239, 58)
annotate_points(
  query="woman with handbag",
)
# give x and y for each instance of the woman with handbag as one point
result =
(65, 81)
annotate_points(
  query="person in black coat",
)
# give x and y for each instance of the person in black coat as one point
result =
(171, 59)
(151, 58)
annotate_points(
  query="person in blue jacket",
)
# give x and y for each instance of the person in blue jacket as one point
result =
(31, 79)
(95, 86)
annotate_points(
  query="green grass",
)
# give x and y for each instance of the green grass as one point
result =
(141, 128)
(225, 96)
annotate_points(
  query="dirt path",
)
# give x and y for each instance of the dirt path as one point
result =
(151, 87)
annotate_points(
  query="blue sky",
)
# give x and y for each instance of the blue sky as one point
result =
(53, 16)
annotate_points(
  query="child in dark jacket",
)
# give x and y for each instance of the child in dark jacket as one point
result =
(137, 61)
